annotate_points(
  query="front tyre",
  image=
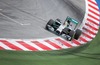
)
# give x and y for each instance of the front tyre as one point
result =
(50, 23)
(58, 32)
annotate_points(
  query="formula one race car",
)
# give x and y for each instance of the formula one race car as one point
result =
(69, 28)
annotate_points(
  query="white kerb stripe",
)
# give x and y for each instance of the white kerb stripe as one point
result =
(87, 27)
(94, 15)
(58, 43)
(94, 10)
(93, 19)
(18, 45)
(5, 46)
(89, 34)
(48, 45)
(93, 1)
(93, 5)
(92, 24)
(82, 42)
(73, 44)
(33, 45)
(88, 39)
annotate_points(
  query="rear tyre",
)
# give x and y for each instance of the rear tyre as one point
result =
(77, 34)
(50, 23)
(71, 34)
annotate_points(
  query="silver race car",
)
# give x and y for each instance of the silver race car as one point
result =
(68, 29)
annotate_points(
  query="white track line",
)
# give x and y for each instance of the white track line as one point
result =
(14, 20)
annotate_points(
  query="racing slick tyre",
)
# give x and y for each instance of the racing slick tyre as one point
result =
(77, 34)
(50, 22)
(71, 34)
(58, 19)
(65, 31)
(58, 32)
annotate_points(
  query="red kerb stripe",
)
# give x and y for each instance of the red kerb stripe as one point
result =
(1, 48)
(91, 26)
(76, 42)
(41, 45)
(92, 21)
(93, 7)
(10, 45)
(91, 32)
(87, 35)
(94, 12)
(53, 44)
(93, 2)
(84, 40)
(93, 17)
(27, 46)
(64, 42)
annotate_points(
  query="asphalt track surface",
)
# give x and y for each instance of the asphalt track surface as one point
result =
(26, 19)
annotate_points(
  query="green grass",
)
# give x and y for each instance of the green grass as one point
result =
(88, 54)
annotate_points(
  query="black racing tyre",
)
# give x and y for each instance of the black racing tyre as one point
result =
(65, 31)
(77, 34)
(50, 22)
(71, 34)
(58, 19)
(58, 32)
